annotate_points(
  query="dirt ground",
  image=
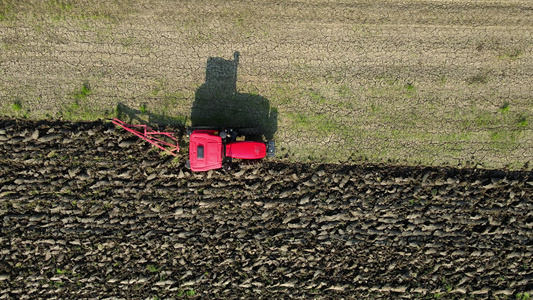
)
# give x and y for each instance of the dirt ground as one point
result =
(412, 82)
(88, 211)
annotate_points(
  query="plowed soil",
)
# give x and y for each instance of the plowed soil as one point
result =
(89, 212)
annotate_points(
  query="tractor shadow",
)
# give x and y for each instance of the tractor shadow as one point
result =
(218, 103)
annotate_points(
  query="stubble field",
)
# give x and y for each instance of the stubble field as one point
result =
(418, 82)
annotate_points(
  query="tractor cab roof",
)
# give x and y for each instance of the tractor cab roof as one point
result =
(205, 150)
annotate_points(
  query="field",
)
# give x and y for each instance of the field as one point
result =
(405, 82)
(405, 147)
(87, 211)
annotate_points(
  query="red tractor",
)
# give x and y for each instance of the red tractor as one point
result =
(209, 148)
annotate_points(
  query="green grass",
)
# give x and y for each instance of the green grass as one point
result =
(523, 296)
(188, 293)
(505, 107)
(152, 269)
(17, 109)
(59, 9)
(317, 98)
(142, 108)
(81, 108)
(316, 123)
(6, 9)
(59, 271)
(503, 140)
(512, 54)
(447, 286)
(522, 121)
(283, 94)
(83, 92)
(16, 106)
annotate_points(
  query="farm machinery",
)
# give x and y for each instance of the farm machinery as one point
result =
(209, 148)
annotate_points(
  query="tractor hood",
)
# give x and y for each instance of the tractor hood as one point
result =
(205, 152)
(246, 150)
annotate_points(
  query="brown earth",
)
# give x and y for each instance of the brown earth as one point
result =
(89, 212)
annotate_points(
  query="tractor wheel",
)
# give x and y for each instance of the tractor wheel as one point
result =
(205, 128)
(254, 138)
(188, 164)
(251, 134)
(191, 129)
(271, 148)
(249, 131)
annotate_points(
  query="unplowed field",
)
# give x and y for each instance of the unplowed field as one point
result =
(420, 82)
(89, 212)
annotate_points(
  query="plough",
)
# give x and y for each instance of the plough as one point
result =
(148, 134)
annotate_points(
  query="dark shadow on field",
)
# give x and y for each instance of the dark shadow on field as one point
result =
(218, 104)
(146, 117)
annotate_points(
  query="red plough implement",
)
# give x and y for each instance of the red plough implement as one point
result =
(148, 135)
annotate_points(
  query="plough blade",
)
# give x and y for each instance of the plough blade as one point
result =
(148, 134)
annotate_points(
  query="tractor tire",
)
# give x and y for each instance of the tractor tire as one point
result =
(251, 134)
(191, 129)
(248, 131)
(271, 149)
